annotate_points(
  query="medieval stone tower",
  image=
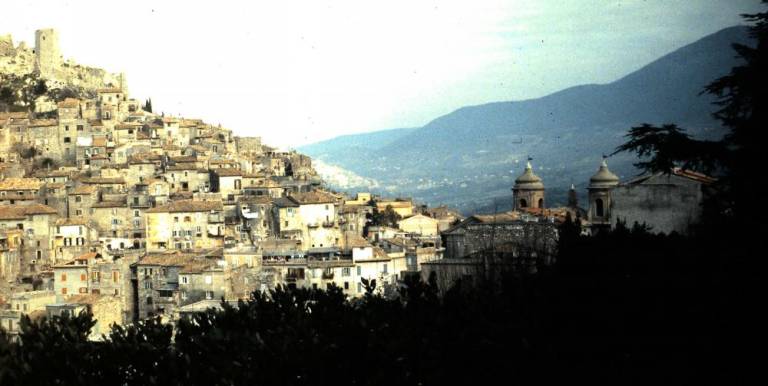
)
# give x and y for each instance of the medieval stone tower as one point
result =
(529, 190)
(47, 54)
(600, 186)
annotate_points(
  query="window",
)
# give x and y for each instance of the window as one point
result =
(147, 285)
(384, 268)
(346, 285)
(208, 279)
(523, 203)
(599, 209)
(78, 199)
(78, 212)
(187, 219)
(64, 291)
(345, 271)
(115, 276)
(149, 300)
(63, 277)
(209, 295)
(175, 219)
(359, 270)
(83, 277)
(136, 213)
(79, 127)
(359, 287)
(67, 140)
(184, 280)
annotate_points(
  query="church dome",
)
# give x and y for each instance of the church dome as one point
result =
(528, 180)
(603, 178)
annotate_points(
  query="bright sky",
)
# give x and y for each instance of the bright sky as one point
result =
(297, 72)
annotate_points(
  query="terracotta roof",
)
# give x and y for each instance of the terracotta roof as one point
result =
(254, 199)
(16, 183)
(316, 197)
(170, 259)
(197, 265)
(227, 172)
(43, 122)
(394, 204)
(84, 189)
(187, 206)
(144, 158)
(103, 180)
(14, 115)
(95, 122)
(17, 212)
(184, 158)
(182, 166)
(87, 256)
(496, 218)
(69, 103)
(700, 177)
(356, 241)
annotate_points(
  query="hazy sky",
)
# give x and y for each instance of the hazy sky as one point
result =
(299, 71)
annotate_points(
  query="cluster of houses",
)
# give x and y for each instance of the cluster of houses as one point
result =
(129, 214)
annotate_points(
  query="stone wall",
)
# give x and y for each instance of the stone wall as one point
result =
(664, 207)
(540, 237)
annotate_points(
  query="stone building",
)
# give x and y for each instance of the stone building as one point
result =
(419, 224)
(185, 224)
(600, 186)
(30, 303)
(528, 234)
(528, 191)
(310, 218)
(665, 202)
(157, 281)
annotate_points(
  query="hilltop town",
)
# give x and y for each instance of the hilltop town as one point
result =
(110, 207)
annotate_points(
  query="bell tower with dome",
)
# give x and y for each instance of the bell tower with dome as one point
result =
(528, 191)
(600, 186)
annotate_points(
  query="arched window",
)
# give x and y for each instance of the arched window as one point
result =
(541, 203)
(599, 210)
(523, 203)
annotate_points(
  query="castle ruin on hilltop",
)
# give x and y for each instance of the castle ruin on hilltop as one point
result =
(46, 60)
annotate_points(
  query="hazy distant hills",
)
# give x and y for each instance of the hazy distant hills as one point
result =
(470, 157)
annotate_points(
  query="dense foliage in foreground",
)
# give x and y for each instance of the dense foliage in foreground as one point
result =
(623, 306)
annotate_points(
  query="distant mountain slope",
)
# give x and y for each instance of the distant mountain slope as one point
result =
(472, 155)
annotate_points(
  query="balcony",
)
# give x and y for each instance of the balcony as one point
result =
(312, 225)
(329, 224)
(327, 276)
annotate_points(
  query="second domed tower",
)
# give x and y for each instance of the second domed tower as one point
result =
(600, 186)
(528, 191)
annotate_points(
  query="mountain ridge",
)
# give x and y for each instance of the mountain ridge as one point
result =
(471, 155)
